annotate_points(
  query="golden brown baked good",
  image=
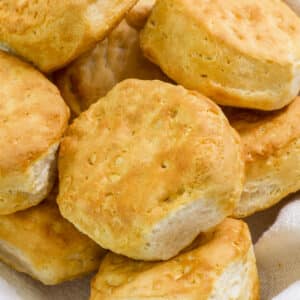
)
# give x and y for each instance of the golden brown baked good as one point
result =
(33, 118)
(142, 171)
(218, 265)
(116, 58)
(39, 242)
(50, 34)
(138, 15)
(240, 53)
(272, 154)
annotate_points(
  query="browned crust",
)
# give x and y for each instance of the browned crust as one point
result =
(190, 274)
(50, 34)
(53, 248)
(33, 116)
(264, 133)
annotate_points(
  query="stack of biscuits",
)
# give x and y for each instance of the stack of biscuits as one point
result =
(136, 135)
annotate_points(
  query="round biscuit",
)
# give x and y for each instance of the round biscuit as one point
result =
(50, 34)
(148, 167)
(218, 265)
(33, 118)
(271, 142)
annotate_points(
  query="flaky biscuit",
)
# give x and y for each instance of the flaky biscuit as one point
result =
(142, 171)
(116, 58)
(271, 143)
(33, 119)
(138, 15)
(218, 265)
(50, 34)
(240, 53)
(41, 243)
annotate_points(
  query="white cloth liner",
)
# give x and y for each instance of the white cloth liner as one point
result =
(278, 252)
(291, 293)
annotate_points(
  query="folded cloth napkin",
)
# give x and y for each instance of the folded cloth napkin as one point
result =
(7, 291)
(291, 293)
(278, 253)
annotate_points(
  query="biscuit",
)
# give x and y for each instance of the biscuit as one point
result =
(50, 34)
(33, 118)
(271, 143)
(142, 171)
(42, 244)
(138, 15)
(239, 53)
(116, 58)
(218, 265)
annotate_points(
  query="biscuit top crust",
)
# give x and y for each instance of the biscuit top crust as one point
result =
(44, 236)
(262, 133)
(144, 150)
(25, 16)
(33, 116)
(194, 271)
(52, 33)
(265, 29)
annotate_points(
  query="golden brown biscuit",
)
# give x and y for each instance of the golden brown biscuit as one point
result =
(33, 118)
(50, 34)
(218, 265)
(240, 53)
(116, 58)
(272, 153)
(138, 15)
(39, 242)
(142, 171)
